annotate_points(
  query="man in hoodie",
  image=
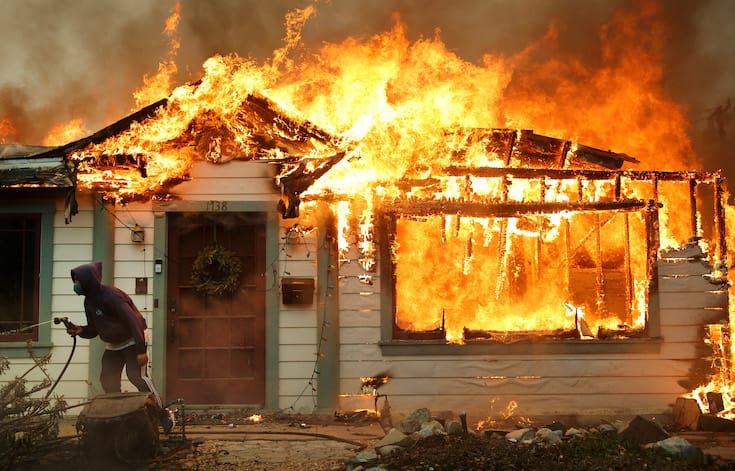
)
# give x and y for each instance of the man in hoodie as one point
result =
(112, 315)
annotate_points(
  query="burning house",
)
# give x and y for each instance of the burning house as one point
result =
(286, 261)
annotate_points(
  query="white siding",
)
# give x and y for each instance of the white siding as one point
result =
(72, 246)
(540, 384)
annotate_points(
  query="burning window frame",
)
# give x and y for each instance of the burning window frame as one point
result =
(394, 339)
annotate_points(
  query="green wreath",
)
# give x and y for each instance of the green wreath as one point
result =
(216, 271)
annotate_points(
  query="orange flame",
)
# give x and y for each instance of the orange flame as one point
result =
(65, 132)
(160, 84)
(405, 111)
(7, 129)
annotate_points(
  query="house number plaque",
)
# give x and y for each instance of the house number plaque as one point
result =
(216, 206)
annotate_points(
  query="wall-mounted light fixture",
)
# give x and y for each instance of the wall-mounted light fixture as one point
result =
(137, 234)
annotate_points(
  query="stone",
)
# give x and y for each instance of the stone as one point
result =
(556, 426)
(394, 437)
(388, 449)
(681, 448)
(363, 457)
(431, 428)
(574, 432)
(409, 426)
(454, 427)
(421, 415)
(607, 428)
(642, 430)
(523, 435)
(687, 413)
(545, 436)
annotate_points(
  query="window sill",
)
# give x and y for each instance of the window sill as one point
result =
(21, 349)
(555, 347)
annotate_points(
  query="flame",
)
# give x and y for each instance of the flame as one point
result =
(404, 111)
(160, 84)
(7, 129)
(65, 132)
(719, 338)
(255, 418)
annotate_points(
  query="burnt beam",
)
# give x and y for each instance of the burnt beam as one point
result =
(572, 174)
(504, 209)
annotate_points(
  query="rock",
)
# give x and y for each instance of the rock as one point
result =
(362, 458)
(394, 437)
(420, 415)
(681, 448)
(388, 449)
(607, 428)
(409, 426)
(523, 435)
(545, 436)
(556, 426)
(454, 427)
(431, 428)
(574, 432)
(415, 421)
(642, 431)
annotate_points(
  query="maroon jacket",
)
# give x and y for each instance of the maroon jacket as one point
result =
(110, 312)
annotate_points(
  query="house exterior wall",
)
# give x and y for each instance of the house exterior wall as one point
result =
(291, 330)
(580, 378)
(235, 186)
(631, 378)
(70, 245)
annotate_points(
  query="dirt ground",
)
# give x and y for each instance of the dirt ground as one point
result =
(290, 443)
(223, 442)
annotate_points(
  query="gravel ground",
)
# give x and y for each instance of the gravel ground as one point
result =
(595, 452)
(305, 444)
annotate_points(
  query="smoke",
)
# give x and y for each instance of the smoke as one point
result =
(84, 58)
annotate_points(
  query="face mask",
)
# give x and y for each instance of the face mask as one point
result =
(78, 288)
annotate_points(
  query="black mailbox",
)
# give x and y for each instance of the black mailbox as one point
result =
(297, 290)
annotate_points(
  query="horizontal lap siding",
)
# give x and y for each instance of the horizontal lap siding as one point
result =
(554, 384)
(231, 181)
(298, 324)
(72, 246)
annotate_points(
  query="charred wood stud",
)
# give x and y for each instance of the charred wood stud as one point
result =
(580, 189)
(693, 206)
(653, 243)
(628, 274)
(463, 420)
(598, 262)
(720, 225)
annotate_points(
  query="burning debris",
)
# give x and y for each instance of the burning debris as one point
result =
(371, 384)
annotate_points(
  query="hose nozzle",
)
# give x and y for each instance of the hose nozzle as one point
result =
(65, 320)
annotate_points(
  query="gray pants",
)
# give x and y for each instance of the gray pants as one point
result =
(112, 365)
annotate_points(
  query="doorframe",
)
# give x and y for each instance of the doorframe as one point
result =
(160, 288)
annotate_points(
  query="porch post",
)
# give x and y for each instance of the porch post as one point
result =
(103, 250)
(327, 313)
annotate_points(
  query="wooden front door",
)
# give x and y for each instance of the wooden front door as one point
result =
(215, 350)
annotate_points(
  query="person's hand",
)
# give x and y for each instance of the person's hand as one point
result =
(74, 330)
(142, 359)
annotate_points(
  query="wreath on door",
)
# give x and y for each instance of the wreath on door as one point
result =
(216, 271)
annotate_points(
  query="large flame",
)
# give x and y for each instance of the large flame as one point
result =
(406, 110)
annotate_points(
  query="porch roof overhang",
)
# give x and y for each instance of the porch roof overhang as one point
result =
(24, 166)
